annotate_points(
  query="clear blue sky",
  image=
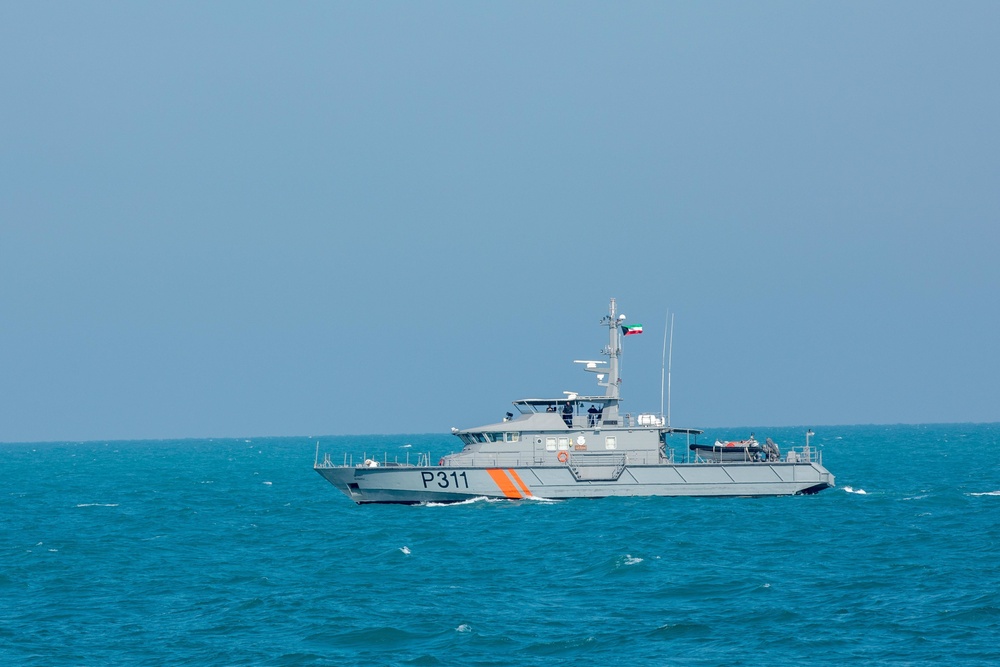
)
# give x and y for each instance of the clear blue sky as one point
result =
(241, 218)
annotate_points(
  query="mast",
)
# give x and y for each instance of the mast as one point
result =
(613, 350)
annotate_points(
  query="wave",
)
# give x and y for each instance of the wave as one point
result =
(382, 637)
(684, 630)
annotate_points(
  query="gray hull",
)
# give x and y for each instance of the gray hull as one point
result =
(446, 484)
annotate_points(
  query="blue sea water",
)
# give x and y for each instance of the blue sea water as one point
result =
(234, 552)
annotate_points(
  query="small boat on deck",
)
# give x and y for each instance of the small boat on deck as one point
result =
(733, 450)
(737, 450)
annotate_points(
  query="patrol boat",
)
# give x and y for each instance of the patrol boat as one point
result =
(578, 447)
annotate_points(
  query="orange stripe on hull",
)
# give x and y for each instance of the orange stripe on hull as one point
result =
(522, 485)
(502, 481)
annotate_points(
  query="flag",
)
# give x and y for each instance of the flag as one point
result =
(629, 329)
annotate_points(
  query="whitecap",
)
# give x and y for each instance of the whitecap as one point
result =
(985, 493)
(98, 505)
(464, 627)
(631, 560)
(405, 549)
(850, 489)
(268, 483)
(406, 446)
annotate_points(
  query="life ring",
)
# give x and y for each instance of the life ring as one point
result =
(563, 457)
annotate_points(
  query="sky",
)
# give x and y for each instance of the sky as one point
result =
(240, 219)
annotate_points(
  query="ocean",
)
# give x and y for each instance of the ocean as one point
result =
(234, 552)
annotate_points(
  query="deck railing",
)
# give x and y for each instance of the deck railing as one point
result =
(807, 454)
(514, 460)
(550, 458)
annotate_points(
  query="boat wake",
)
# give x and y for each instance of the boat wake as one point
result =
(485, 499)
(851, 489)
(470, 501)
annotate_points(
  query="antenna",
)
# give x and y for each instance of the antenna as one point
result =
(668, 325)
(663, 365)
(670, 362)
